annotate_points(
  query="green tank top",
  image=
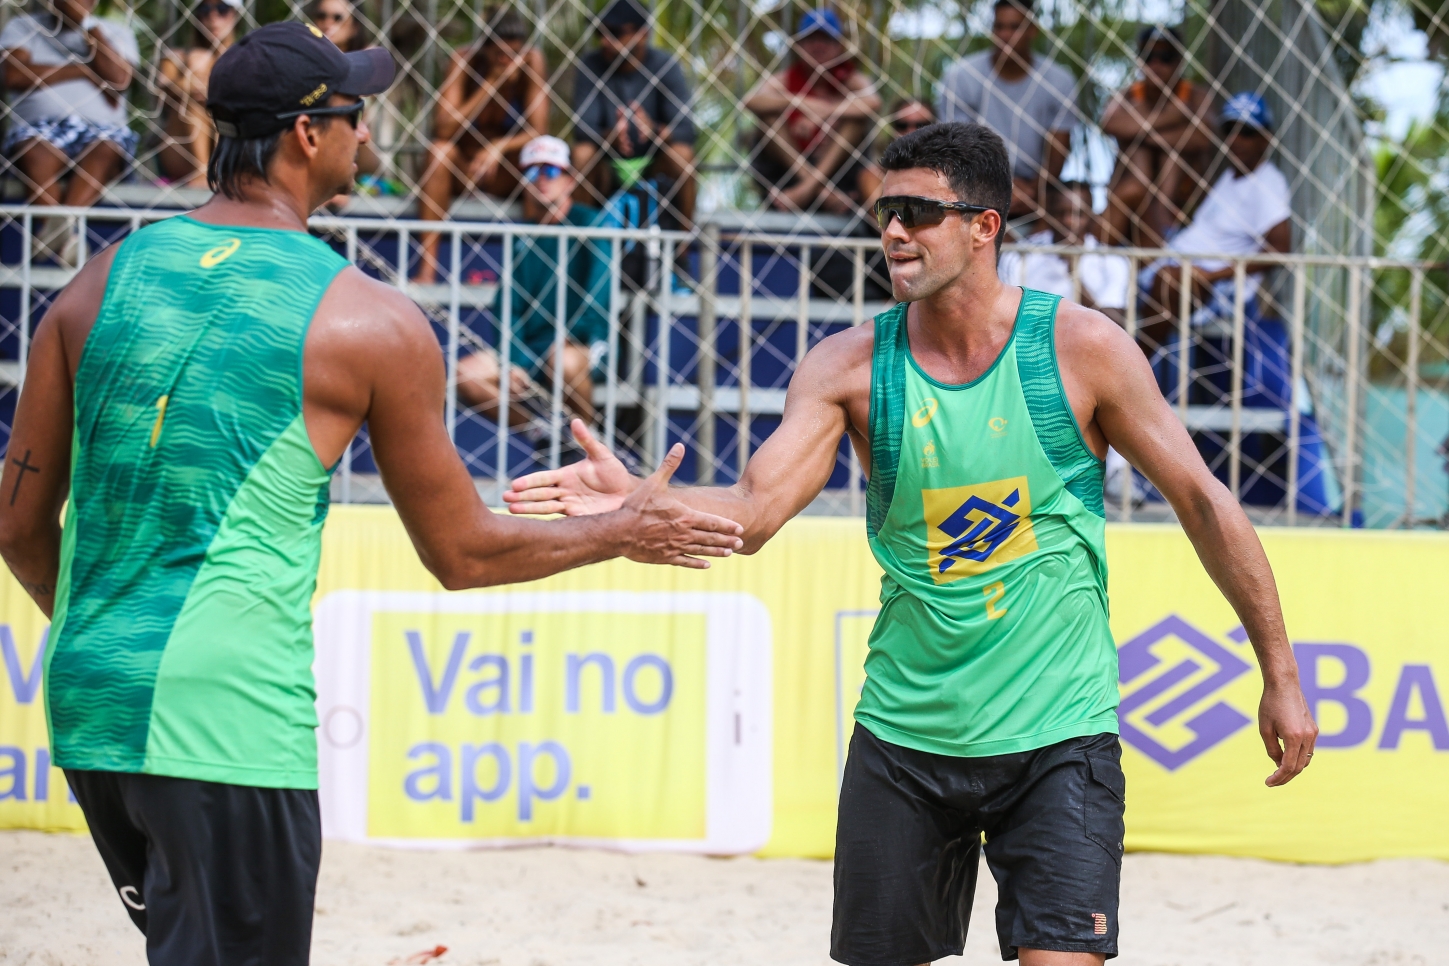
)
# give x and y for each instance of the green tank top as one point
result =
(984, 509)
(182, 641)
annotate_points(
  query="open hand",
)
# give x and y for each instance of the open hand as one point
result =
(597, 484)
(1288, 731)
(666, 531)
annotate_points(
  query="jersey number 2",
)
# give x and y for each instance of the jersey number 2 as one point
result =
(994, 593)
(160, 417)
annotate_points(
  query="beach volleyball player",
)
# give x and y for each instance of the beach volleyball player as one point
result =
(189, 391)
(982, 413)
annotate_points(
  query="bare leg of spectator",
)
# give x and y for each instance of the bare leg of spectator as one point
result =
(578, 386)
(843, 144)
(1160, 317)
(1163, 213)
(435, 197)
(676, 162)
(803, 178)
(478, 387)
(42, 165)
(98, 166)
(1128, 196)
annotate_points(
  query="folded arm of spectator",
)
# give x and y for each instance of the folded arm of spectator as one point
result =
(1278, 239)
(107, 62)
(1171, 125)
(21, 75)
(455, 111)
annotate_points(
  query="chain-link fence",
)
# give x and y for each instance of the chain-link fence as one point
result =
(1336, 349)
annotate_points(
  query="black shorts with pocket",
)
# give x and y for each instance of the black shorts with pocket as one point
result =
(213, 874)
(908, 845)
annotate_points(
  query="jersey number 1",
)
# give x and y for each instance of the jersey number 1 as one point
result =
(160, 417)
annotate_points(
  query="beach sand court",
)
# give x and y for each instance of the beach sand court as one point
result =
(553, 907)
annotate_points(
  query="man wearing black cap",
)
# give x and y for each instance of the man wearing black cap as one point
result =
(631, 115)
(187, 393)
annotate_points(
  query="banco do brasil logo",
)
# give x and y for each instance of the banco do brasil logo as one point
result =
(1167, 673)
(972, 529)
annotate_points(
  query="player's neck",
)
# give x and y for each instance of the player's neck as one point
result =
(259, 205)
(965, 324)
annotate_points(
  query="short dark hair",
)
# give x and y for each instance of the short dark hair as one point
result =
(1027, 7)
(971, 156)
(1056, 192)
(233, 160)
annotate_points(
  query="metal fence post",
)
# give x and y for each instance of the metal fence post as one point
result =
(705, 367)
(1351, 331)
(1411, 397)
(747, 339)
(1300, 307)
(1235, 399)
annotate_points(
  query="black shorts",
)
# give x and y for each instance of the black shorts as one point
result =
(908, 844)
(213, 874)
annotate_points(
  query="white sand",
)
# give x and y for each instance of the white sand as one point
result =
(550, 907)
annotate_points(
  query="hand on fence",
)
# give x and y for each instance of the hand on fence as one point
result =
(664, 530)
(597, 484)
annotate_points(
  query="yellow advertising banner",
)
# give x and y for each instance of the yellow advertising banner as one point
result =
(653, 708)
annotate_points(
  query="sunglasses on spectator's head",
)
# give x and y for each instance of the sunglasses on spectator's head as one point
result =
(207, 9)
(1162, 55)
(350, 111)
(542, 171)
(915, 212)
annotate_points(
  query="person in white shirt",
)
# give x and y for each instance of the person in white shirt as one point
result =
(1248, 210)
(1103, 276)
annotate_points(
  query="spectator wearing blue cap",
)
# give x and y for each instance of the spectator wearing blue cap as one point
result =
(814, 118)
(1164, 125)
(1027, 99)
(631, 109)
(1246, 211)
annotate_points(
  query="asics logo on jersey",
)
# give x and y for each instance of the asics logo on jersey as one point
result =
(220, 253)
(923, 415)
(971, 529)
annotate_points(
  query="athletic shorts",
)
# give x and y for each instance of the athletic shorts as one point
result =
(908, 846)
(214, 875)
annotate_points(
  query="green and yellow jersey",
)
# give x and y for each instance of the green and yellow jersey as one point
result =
(182, 642)
(985, 512)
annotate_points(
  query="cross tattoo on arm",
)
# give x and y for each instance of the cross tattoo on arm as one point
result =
(25, 467)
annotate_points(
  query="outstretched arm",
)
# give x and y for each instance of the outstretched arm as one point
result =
(391, 359)
(785, 474)
(1112, 377)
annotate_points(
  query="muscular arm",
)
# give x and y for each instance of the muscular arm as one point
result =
(36, 478)
(1115, 396)
(374, 357)
(828, 395)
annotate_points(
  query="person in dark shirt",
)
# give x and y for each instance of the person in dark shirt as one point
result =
(631, 115)
(547, 200)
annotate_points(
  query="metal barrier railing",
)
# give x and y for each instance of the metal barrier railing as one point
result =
(1281, 388)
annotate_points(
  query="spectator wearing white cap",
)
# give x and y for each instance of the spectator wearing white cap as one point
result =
(1246, 211)
(182, 81)
(550, 182)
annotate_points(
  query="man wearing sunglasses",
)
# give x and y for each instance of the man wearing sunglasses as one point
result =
(982, 413)
(1164, 125)
(186, 394)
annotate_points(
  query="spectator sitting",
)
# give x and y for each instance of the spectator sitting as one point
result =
(906, 116)
(493, 101)
(182, 79)
(1026, 99)
(67, 72)
(547, 200)
(338, 22)
(631, 115)
(1246, 211)
(814, 120)
(1164, 125)
(1103, 277)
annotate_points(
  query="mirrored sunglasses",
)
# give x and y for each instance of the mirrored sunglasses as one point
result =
(542, 171)
(350, 111)
(915, 212)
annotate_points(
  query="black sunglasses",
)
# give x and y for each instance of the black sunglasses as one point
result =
(914, 212)
(350, 111)
(205, 9)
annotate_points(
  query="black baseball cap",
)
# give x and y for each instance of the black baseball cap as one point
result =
(624, 13)
(263, 81)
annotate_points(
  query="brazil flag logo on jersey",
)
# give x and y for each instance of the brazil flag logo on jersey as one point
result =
(971, 529)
